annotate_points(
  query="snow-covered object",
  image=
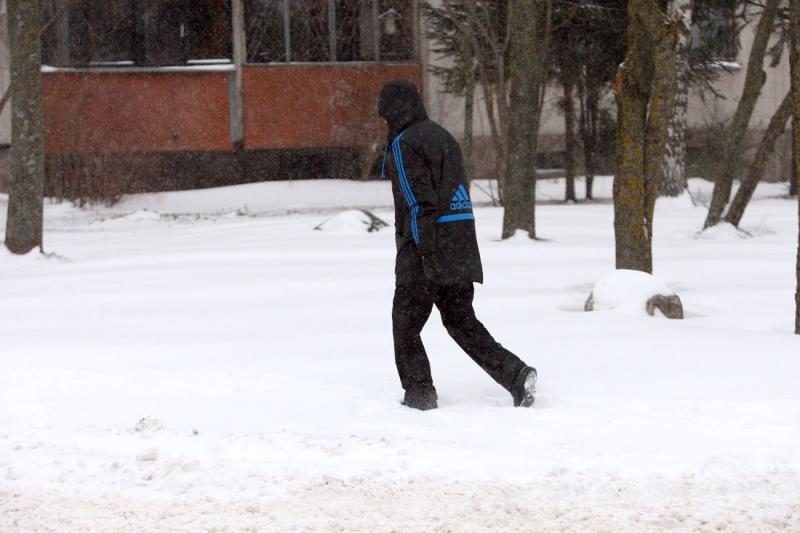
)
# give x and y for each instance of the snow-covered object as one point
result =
(353, 221)
(630, 291)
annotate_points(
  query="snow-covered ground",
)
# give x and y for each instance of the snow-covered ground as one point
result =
(196, 362)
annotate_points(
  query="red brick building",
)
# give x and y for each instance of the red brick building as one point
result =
(175, 94)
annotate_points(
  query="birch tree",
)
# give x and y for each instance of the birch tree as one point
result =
(673, 182)
(25, 202)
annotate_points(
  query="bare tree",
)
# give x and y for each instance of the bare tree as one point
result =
(674, 178)
(483, 28)
(645, 90)
(755, 172)
(600, 33)
(735, 133)
(793, 175)
(448, 27)
(529, 27)
(794, 52)
(519, 29)
(570, 137)
(567, 67)
(25, 204)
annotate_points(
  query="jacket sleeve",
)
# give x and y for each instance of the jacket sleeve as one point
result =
(416, 182)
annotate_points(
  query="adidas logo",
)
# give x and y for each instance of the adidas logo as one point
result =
(460, 199)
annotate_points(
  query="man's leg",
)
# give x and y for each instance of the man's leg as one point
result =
(411, 308)
(455, 305)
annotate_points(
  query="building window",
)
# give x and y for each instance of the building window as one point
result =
(329, 30)
(714, 29)
(131, 32)
(93, 32)
(84, 33)
(264, 28)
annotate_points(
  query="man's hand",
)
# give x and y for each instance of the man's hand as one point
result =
(433, 269)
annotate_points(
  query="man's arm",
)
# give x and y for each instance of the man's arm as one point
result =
(416, 182)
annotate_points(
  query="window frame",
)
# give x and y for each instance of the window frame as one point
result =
(376, 36)
(63, 52)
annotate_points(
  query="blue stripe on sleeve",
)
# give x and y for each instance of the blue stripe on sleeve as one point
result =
(405, 185)
(454, 218)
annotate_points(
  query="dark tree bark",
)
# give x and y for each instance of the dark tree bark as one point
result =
(25, 202)
(645, 90)
(568, 68)
(735, 133)
(529, 26)
(469, 109)
(794, 60)
(663, 31)
(570, 141)
(793, 176)
(590, 108)
(766, 148)
(632, 92)
(469, 119)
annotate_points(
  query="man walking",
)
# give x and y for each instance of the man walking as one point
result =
(437, 251)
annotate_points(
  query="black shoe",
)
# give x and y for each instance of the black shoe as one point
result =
(524, 387)
(422, 399)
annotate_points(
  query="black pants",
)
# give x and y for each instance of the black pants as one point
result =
(411, 309)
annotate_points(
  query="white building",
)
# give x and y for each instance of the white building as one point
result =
(705, 110)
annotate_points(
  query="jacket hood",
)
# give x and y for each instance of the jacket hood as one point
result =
(401, 106)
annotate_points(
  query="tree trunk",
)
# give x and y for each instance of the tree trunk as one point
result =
(469, 119)
(590, 105)
(662, 102)
(645, 81)
(570, 144)
(737, 130)
(632, 240)
(500, 148)
(26, 191)
(794, 60)
(766, 148)
(673, 182)
(645, 90)
(569, 77)
(528, 75)
(793, 176)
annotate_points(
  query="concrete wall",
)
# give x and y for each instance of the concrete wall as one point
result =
(703, 111)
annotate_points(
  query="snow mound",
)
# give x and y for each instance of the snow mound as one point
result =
(148, 424)
(627, 291)
(722, 232)
(140, 215)
(353, 221)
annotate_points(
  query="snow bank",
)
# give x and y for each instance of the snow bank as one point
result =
(722, 232)
(268, 197)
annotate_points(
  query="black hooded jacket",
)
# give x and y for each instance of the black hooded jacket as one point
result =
(433, 210)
